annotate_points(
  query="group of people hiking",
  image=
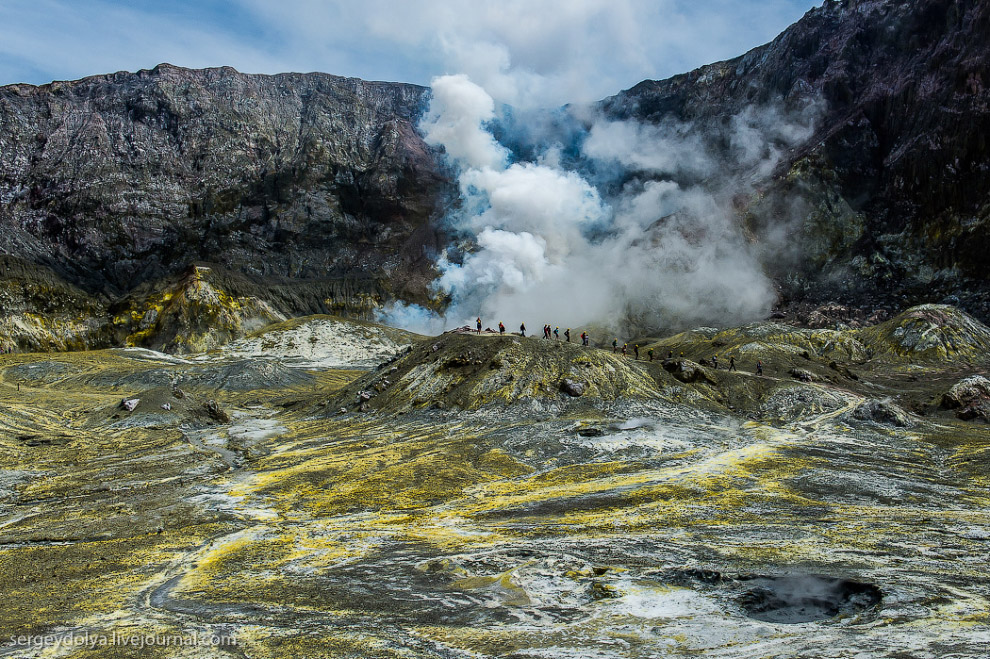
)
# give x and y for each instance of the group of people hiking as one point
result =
(548, 332)
(551, 332)
(554, 332)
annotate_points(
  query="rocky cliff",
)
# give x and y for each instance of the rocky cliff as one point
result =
(886, 203)
(312, 192)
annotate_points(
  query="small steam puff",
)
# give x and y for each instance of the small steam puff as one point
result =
(546, 247)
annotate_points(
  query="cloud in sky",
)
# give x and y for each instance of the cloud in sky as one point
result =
(521, 52)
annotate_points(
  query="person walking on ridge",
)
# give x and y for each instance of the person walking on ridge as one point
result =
(732, 363)
(567, 333)
(584, 338)
(615, 344)
(636, 350)
(479, 324)
(501, 327)
(556, 333)
(624, 346)
(759, 367)
(522, 329)
(649, 353)
(715, 362)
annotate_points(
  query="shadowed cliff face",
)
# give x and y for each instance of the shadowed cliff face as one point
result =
(116, 180)
(886, 203)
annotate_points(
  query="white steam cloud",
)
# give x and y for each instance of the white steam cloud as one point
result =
(543, 245)
(457, 113)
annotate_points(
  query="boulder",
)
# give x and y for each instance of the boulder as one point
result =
(970, 398)
(572, 387)
(684, 370)
(215, 412)
(881, 412)
(966, 392)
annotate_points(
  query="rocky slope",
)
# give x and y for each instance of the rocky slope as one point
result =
(314, 191)
(323, 342)
(886, 203)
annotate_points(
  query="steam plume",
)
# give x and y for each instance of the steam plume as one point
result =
(545, 245)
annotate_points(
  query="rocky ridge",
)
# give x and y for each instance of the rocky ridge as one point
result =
(315, 192)
(885, 203)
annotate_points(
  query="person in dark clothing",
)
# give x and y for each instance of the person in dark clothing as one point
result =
(670, 354)
(556, 333)
(501, 327)
(479, 325)
(584, 338)
(715, 362)
(759, 367)
(615, 344)
(522, 329)
(624, 347)
(567, 334)
(636, 350)
(732, 363)
(649, 353)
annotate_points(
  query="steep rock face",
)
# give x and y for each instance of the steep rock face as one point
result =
(887, 201)
(41, 311)
(290, 180)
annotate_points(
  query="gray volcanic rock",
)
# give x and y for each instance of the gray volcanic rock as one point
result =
(881, 412)
(886, 202)
(573, 388)
(293, 179)
(969, 397)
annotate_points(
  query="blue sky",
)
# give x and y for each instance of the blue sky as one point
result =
(521, 51)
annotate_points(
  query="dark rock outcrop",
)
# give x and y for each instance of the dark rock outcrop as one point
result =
(970, 398)
(573, 388)
(885, 203)
(881, 412)
(684, 370)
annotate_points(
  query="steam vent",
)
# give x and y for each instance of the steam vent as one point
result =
(305, 366)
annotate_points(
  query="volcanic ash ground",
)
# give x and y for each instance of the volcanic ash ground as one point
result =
(345, 490)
